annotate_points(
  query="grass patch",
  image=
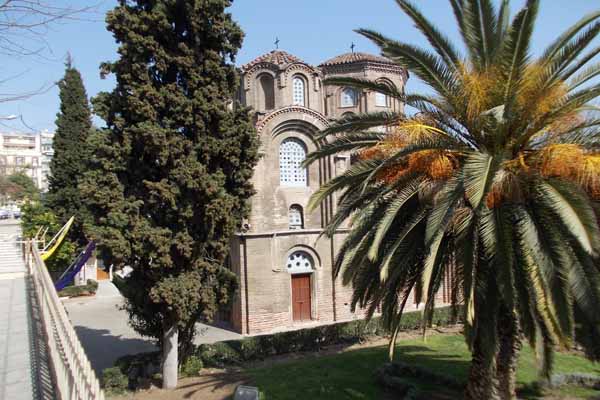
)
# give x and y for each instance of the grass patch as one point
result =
(350, 375)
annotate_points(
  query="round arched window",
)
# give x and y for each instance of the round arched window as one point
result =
(299, 262)
(298, 91)
(295, 217)
(291, 155)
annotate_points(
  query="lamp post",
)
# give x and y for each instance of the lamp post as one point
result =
(9, 117)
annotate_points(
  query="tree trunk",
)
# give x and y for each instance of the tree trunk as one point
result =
(509, 336)
(482, 384)
(170, 363)
(482, 379)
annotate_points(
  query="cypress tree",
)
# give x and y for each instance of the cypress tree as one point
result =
(73, 125)
(170, 178)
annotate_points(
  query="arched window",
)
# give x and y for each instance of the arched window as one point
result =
(296, 217)
(349, 97)
(298, 91)
(299, 262)
(381, 100)
(292, 153)
(266, 99)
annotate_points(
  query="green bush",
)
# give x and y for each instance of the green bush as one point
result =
(218, 354)
(234, 352)
(114, 381)
(191, 367)
(259, 347)
(36, 215)
(90, 288)
(92, 284)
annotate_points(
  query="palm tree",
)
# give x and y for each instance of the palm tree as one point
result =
(497, 176)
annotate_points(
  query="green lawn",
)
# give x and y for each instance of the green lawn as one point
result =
(350, 375)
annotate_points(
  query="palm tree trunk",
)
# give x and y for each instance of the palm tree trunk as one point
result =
(509, 336)
(482, 382)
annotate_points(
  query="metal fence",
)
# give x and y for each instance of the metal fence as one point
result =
(73, 374)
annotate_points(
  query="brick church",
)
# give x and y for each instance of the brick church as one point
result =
(285, 273)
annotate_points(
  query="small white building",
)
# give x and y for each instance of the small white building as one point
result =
(28, 153)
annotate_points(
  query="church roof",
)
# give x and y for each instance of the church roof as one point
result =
(277, 57)
(349, 58)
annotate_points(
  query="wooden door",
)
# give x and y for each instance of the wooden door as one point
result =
(301, 297)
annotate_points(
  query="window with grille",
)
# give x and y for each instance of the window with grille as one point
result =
(299, 262)
(381, 100)
(296, 218)
(349, 97)
(298, 91)
(292, 153)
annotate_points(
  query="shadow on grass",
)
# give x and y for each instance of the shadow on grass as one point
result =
(530, 391)
(352, 374)
(444, 363)
(225, 382)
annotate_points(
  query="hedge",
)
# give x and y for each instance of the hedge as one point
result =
(233, 352)
(88, 289)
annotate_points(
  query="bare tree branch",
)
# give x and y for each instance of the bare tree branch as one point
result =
(24, 25)
(28, 21)
(7, 97)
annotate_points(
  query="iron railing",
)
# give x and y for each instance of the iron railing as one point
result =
(73, 374)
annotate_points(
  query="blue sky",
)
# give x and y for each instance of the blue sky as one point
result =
(313, 30)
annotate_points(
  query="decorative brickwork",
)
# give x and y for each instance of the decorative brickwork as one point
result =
(260, 254)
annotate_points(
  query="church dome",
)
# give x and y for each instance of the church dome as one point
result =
(277, 57)
(350, 58)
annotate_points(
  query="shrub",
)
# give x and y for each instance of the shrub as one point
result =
(114, 381)
(90, 288)
(313, 339)
(234, 352)
(218, 354)
(192, 366)
(92, 285)
(138, 367)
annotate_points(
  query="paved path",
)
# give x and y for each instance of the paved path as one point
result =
(21, 352)
(15, 344)
(105, 334)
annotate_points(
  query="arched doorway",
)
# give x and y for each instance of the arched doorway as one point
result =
(300, 265)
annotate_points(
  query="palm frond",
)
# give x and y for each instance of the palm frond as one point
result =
(352, 176)
(514, 55)
(580, 63)
(438, 41)
(385, 223)
(502, 23)
(349, 143)
(570, 33)
(478, 171)
(361, 122)
(585, 76)
(391, 253)
(572, 50)
(480, 31)
(429, 67)
(366, 84)
(574, 213)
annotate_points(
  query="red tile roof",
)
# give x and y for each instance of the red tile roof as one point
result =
(277, 57)
(349, 58)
